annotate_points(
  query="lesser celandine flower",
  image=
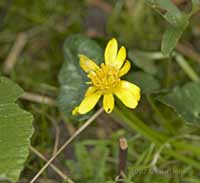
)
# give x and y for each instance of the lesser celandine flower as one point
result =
(106, 82)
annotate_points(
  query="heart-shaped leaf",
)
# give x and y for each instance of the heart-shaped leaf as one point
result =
(72, 79)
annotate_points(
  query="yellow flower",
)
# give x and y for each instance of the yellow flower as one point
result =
(106, 82)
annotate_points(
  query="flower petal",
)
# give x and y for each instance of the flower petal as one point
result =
(88, 103)
(87, 64)
(75, 111)
(108, 102)
(127, 98)
(121, 57)
(111, 52)
(90, 90)
(126, 67)
(134, 89)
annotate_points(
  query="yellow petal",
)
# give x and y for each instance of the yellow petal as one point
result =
(75, 111)
(111, 52)
(108, 103)
(134, 89)
(89, 103)
(87, 64)
(126, 67)
(90, 90)
(121, 57)
(127, 98)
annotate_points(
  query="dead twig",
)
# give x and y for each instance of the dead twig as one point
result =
(38, 99)
(81, 129)
(57, 133)
(58, 171)
(69, 126)
(18, 46)
(15, 52)
(123, 150)
(55, 149)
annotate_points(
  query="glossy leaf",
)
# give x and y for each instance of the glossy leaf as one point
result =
(72, 79)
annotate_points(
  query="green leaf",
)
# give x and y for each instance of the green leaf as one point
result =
(178, 21)
(145, 60)
(72, 79)
(173, 15)
(171, 37)
(146, 82)
(15, 131)
(185, 101)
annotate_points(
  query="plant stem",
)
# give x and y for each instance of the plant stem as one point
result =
(185, 159)
(157, 138)
(186, 67)
(139, 126)
(162, 120)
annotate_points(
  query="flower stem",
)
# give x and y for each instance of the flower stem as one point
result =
(186, 67)
(138, 125)
(162, 120)
(157, 138)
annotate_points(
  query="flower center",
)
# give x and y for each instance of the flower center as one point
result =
(106, 78)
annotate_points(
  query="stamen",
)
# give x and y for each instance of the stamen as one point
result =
(105, 79)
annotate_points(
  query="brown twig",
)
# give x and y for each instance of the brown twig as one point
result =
(58, 171)
(57, 136)
(15, 52)
(57, 133)
(18, 46)
(38, 98)
(70, 128)
(123, 150)
(188, 52)
(82, 128)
